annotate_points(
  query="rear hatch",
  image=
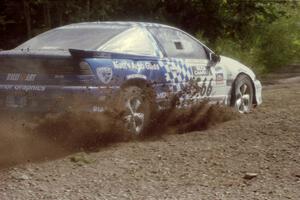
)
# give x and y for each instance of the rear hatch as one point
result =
(57, 68)
(30, 78)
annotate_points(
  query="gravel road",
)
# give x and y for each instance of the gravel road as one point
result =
(254, 156)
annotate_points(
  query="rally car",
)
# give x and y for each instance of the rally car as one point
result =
(131, 65)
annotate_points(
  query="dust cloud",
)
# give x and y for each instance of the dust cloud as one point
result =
(37, 138)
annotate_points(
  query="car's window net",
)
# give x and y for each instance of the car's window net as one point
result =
(133, 41)
(80, 37)
(177, 44)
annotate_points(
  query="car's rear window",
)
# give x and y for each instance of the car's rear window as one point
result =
(133, 41)
(74, 37)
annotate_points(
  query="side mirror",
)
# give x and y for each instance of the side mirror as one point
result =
(214, 58)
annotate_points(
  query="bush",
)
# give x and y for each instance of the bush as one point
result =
(267, 48)
(280, 44)
(244, 51)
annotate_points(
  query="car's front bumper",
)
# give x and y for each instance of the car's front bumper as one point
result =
(258, 92)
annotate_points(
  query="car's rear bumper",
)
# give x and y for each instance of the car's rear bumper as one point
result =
(40, 98)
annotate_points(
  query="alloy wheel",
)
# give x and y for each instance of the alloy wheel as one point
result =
(242, 102)
(135, 116)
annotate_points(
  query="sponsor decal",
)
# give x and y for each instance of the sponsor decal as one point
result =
(196, 90)
(151, 66)
(206, 89)
(105, 74)
(135, 65)
(219, 78)
(23, 87)
(30, 77)
(12, 77)
(122, 64)
(20, 77)
(133, 76)
(30, 87)
(201, 71)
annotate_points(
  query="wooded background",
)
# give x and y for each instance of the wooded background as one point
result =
(231, 26)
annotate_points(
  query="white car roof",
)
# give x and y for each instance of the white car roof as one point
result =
(116, 23)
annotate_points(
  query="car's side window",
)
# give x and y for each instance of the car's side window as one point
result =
(177, 44)
(133, 41)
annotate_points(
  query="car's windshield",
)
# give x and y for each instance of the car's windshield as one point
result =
(74, 37)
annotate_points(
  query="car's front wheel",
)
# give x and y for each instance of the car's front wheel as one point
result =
(242, 96)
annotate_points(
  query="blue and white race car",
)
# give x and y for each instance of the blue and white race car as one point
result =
(133, 66)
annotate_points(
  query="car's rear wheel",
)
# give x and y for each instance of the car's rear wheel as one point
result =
(242, 96)
(136, 105)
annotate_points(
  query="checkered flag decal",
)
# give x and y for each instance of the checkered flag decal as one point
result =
(177, 72)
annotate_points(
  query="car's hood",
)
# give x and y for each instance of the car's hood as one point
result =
(235, 67)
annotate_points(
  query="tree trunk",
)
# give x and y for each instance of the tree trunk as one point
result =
(47, 17)
(26, 10)
(59, 10)
(88, 9)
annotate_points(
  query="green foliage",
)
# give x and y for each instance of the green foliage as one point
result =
(280, 44)
(265, 48)
(263, 34)
(238, 50)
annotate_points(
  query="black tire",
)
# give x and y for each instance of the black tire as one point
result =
(136, 105)
(242, 94)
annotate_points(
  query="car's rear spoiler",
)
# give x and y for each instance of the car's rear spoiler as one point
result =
(77, 53)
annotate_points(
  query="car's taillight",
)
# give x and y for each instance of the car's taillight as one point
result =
(85, 68)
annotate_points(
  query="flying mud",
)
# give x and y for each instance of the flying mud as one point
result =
(34, 138)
